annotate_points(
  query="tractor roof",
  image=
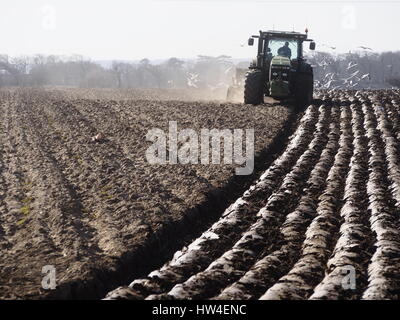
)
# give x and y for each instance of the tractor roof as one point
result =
(282, 34)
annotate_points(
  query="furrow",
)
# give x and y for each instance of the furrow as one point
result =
(266, 270)
(258, 239)
(384, 274)
(223, 234)
(309, 270)
(354, 246)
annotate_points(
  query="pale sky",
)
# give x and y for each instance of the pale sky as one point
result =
(135, 29)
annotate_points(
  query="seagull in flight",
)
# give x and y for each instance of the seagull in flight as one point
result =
(365, 48)
(192, 80)
(328, 84)
(228, 69)
(328, 46)
(350, 65)
(367, 75)
(330, 74)
(347, 80)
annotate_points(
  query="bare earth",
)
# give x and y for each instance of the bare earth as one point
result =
(322, 222)
(89, 207)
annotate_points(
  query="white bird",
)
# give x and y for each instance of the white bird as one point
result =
(229, 69)
(352, 85)
(346, 80)
(192, 80)
(330, 74)
(328, 84)
(365, 76)
(350, 65)
(324, 63)
(328, 46)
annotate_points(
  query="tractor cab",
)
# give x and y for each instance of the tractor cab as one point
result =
(271, 43)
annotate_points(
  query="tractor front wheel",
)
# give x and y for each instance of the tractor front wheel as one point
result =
(254, 88)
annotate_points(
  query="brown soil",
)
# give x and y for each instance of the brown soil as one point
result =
(327, 209)
(93, 207)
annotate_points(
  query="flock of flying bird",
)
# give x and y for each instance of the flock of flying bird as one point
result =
(330, 81)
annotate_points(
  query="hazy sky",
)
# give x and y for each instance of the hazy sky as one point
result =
(134, 29)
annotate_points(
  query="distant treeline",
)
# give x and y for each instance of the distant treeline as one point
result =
(76, 71)
(351, 70)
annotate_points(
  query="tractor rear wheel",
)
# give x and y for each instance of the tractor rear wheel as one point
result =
(254, 87)
(304, 90)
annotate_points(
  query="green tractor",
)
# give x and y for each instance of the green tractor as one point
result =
(280, 70)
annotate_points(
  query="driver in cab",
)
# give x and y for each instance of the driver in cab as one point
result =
(285, 50)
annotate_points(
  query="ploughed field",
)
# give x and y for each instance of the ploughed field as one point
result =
(327, 209)
(77, 193)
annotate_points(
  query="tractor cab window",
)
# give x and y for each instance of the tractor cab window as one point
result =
(283, 47)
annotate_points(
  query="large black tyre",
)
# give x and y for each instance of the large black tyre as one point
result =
(254, 88)
(304, 90)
